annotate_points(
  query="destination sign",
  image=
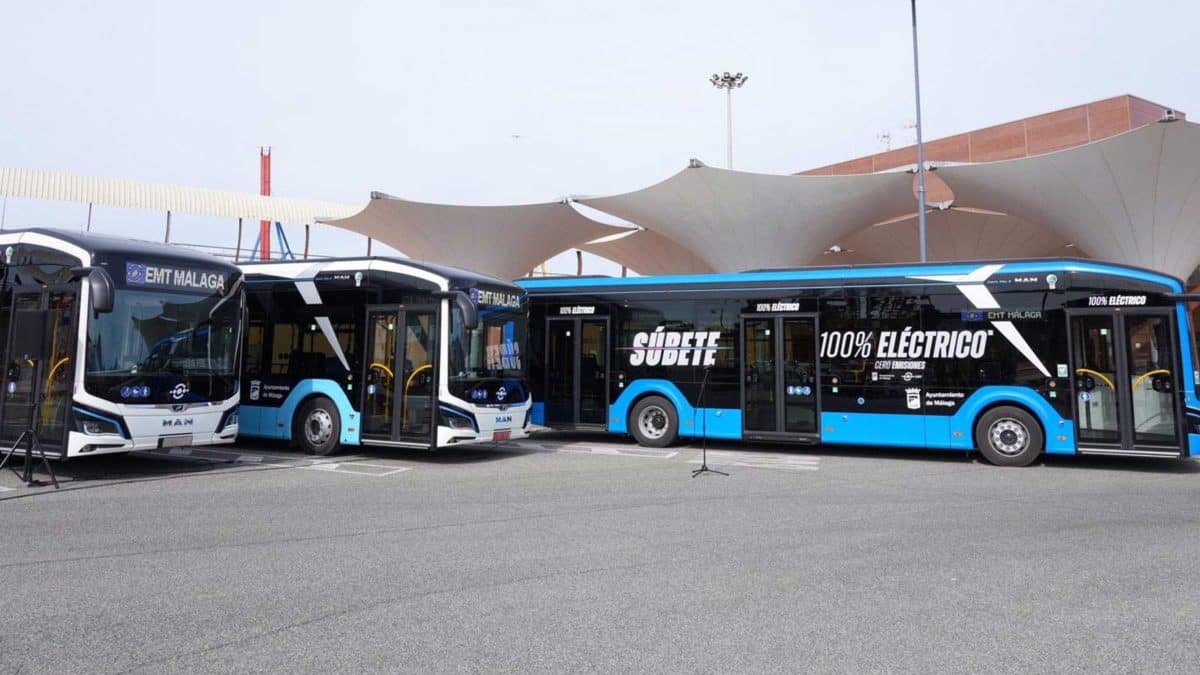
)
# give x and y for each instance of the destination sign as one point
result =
(483, 296)
(142, 274)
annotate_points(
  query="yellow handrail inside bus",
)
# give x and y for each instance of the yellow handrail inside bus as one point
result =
(1160, 371)
(404, 401)
(1099, 375)
(46, 389)
(384, 369)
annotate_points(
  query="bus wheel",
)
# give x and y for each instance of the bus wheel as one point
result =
(1009, 436)
(654, 422)
(318, 427)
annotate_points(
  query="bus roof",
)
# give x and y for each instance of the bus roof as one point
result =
(843, 273)
(454, 277)
(105, 244)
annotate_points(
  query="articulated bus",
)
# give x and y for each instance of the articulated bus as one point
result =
(1014, 359)
(111, 345)
(380, 351)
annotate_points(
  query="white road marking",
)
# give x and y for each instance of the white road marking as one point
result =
(356, 468)
(617, 452)
(249, 459)
(783, 462)
(6, 489)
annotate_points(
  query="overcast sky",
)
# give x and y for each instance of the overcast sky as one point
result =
(505, 102)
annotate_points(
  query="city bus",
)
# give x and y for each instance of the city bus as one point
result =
(1012, 358)
(382, 351)
(112, 345)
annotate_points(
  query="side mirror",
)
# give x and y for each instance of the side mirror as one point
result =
(101, 285)
(470, 312)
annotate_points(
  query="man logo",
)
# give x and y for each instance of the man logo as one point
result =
(179, 422)
(179, 391)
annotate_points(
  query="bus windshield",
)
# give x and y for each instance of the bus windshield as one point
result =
(164, 347)
(484, 358)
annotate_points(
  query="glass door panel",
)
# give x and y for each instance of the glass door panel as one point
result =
(799, 376)
(20, 373)
(58, 370)
(593, 372)
(1096, 397)
(760, 380)
(1151, 366)
(378, 396)
(416, 376)
(560, 372)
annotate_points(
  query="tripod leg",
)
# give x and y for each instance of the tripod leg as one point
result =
(30, 440)
(46, 462)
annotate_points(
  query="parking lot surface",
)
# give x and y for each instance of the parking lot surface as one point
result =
(568, 553)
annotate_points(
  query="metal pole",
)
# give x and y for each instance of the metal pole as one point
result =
(167, 237)
(89, 223)
(306, 236)
(729, 126)
(920, 145)
(264, 184)
(368, 247)
(237, 254)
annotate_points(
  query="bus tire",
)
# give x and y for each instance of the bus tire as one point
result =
(318, 427)
(653, 422)
(1009, 436)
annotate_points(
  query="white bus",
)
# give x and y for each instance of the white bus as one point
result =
(380, 351)
(111, 345)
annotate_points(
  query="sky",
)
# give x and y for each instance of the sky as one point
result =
(500, 102)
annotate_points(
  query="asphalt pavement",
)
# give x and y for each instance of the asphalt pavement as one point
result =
(587, 553)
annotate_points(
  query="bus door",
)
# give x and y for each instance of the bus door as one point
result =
(577, 372)
(400, 396)
(39, 365)
(1125, 383)
(780, 376)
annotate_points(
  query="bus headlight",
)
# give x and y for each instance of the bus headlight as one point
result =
(230, 419)
(456, 420)
(94, 425)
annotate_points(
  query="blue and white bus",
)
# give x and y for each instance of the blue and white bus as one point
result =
(1014, 359)
(111, 345)
(381, 351)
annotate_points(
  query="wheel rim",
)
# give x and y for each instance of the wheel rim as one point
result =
(1008, 436)
(318, 428)
(653, 422)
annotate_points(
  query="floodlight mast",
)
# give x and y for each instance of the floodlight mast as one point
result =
(728, 83)
(920, 144)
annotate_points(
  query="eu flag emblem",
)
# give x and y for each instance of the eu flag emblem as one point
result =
(135, 273)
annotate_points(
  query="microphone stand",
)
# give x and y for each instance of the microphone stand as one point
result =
(704, 430)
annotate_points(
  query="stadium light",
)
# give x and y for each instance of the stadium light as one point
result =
(920, 144)
(729, 83)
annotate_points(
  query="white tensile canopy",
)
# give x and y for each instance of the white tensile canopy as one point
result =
(648, 252)
(503, 241)
(1132, 198)
(952, 234)
(733, 220)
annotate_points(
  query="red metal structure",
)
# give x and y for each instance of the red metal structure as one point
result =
(264, 226)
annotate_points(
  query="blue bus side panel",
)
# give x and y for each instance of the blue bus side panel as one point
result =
(267, 422)
(1193, 445)
(537, 414)
(250, 420)
(906, 431)
(715, 422)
